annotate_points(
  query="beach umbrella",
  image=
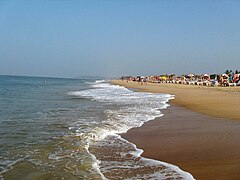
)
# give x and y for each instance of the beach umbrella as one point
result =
(225, 75)
(190, 76)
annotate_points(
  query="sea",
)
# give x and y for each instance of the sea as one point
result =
(58, 128)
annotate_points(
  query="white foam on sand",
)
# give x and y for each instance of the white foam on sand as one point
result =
(133, 110)
(175, 171)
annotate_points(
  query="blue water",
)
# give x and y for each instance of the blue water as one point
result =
(28, 104)
(53, 128)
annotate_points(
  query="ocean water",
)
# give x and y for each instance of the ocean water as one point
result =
(52, 128)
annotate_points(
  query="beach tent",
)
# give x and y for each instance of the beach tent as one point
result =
(214, 79)
(213, 76)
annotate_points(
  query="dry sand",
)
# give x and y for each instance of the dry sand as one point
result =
(206, 142)
(223, 102)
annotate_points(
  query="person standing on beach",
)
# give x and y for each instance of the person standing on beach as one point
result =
(145, 80)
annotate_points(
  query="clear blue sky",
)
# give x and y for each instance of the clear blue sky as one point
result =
(111, 38)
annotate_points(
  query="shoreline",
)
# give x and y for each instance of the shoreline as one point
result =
(205, 147)
(220, 102)
(198, 138)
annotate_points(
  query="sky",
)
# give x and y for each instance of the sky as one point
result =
(111, 38)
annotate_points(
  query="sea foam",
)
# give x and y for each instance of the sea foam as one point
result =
(131, 109)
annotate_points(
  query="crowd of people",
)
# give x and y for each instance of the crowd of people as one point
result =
(228, 78)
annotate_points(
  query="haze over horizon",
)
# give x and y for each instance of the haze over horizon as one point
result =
(114, 38)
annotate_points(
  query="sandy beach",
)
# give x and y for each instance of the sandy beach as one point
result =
(221, 102)
(199, 131)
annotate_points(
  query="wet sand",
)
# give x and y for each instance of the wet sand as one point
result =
(199, 132)
(207, 147)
